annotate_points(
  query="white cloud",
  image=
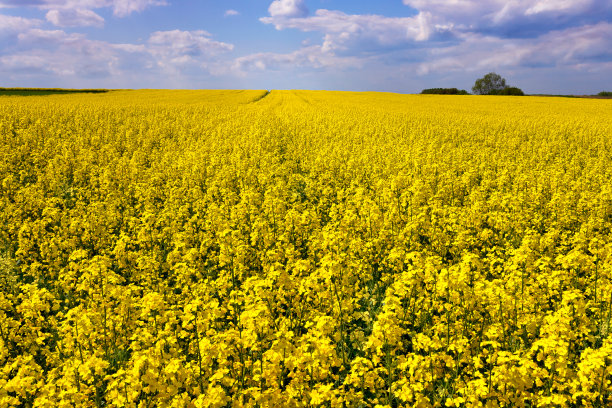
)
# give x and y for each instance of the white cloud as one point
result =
(544, 6)
(37, 37)
(230, 12)
(178, 48)
(447, 35)
(58, 53)
(72, 55)
(23, 62)
(575, 47)
(288, 8)
(307, 57)
(121, 8)
(74, 18)
(586, 47)
(495, 7)
(13, 25)
(472, 15)
(443, 40)
(360, 31)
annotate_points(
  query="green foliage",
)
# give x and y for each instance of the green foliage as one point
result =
(488, 84)
(604, 93)
(494, 84)
(45, 91)
(444, 91)
(510, 90)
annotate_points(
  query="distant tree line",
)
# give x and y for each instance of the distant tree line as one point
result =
(510, 90)
(46, 91)
(490, 84)
(445, 91)
(604, 93)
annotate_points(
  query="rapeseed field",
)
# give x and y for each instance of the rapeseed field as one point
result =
(305, 249)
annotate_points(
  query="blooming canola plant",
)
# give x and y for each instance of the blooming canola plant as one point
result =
(304, 248)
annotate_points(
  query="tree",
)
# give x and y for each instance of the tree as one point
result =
(489, 84)
(444, 91)
(509, 90)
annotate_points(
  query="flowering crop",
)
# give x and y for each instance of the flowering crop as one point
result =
(297, 249)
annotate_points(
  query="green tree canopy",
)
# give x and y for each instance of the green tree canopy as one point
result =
(489, 84)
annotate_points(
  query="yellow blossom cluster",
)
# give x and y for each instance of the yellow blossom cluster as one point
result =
(305, 249)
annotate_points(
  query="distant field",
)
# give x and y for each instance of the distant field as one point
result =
(304, 248)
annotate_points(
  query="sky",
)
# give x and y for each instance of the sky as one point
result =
(541, 46)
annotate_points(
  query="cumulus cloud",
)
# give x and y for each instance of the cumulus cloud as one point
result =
(348, 40)
(12, 25)
(61, 54)
(307, 57)
(497, 10)
(517, 18)
(39, 38)
(362, 32)
(23, 63)
(453, 34)
(437, 38)
(288, 8)
(74, 18)
(585, 47)
(176, 47)
(121, 8)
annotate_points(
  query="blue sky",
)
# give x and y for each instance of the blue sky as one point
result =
(542, 46)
